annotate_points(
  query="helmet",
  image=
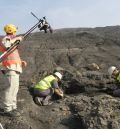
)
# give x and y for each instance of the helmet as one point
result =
(111, 69)
(10, 28)
(59, 75)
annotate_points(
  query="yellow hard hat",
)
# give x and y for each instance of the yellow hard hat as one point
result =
(10, 28)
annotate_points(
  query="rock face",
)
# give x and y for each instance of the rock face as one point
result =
(88, 102)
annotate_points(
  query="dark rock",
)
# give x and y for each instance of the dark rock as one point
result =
(88, 102)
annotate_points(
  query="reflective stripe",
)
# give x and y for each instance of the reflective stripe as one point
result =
(10, 62)
(13, 58)
(45, 83)
(14, 55)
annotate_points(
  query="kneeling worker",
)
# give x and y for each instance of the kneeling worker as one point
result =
(115, 73)
(45, 88)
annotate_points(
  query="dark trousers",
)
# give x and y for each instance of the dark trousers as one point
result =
(45, 94)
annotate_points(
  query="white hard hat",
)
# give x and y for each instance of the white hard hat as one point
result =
(111, 69)
(59, 75)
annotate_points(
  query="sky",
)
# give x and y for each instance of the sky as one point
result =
(59, 13)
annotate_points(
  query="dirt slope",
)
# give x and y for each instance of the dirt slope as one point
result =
(88, 101)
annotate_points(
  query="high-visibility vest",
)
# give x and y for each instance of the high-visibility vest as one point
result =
(45, 83)
(118, 78)
(12, 58)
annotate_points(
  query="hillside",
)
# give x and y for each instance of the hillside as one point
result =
(88, 101)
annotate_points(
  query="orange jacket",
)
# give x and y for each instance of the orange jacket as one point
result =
(12, 58)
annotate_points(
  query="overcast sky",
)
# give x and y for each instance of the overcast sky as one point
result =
(60, 13)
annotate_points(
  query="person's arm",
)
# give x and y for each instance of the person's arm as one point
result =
(58, 91)
(19, 38)
(56, 88)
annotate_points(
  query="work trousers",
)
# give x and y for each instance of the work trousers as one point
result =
(45, 94)
(10, 99)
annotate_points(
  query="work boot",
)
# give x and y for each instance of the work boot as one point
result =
(38, 101)
(13, 113)
(46, 100)
(44, 103)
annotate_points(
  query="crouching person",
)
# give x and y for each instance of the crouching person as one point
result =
(115, 73)
(45, 88)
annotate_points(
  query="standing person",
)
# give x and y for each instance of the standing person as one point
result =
(45, 88)
(115, 73)
(11, 67)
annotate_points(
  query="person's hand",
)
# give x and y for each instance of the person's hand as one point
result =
(20, 38)
(24, 63)
(59, 92)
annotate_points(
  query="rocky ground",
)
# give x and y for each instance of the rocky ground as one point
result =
(88, 102)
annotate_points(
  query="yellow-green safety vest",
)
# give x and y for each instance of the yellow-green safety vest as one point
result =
(118, 78)
(45, 83)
